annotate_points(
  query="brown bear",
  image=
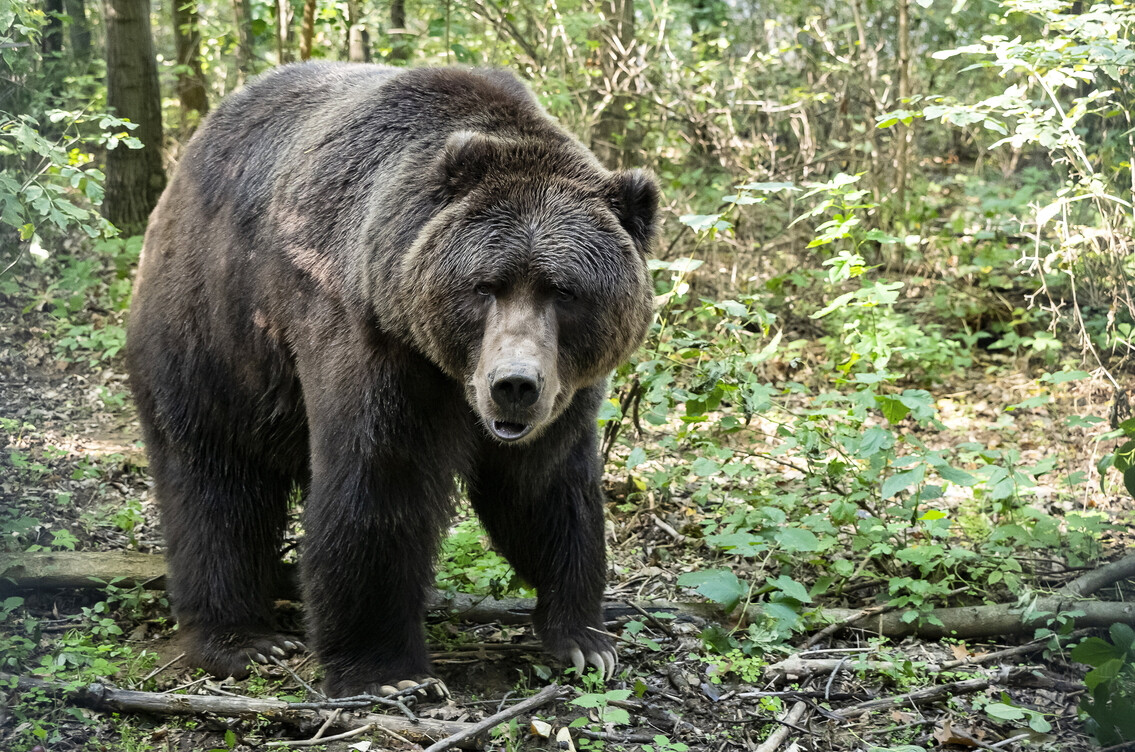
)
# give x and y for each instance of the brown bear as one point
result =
(368, 284)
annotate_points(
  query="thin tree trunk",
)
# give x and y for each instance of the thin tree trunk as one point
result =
(358, 39)
(868, 55)
(611, 139)
(134, 177)
(283, 31)
(80, 30)
(51, 43)
(359, 48)
(904, 133)
(191, 90)
(307, 29)
(242, 19)
(399, 44)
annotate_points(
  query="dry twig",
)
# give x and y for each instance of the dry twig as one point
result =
(543, 697)
(790, 719)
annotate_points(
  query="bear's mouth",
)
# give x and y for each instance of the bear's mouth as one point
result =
(508, 431)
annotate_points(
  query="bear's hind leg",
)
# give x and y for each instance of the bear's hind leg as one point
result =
(224, 521)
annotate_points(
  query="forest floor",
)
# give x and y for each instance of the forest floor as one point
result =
(73, 477)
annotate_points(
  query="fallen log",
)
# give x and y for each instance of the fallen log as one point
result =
(293, 714)
(93, 569)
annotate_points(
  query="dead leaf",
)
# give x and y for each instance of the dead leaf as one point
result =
(947, 734)
(960, 652)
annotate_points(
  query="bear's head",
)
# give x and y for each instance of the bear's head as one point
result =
(531, 282)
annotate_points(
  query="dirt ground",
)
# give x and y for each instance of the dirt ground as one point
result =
(75, 427)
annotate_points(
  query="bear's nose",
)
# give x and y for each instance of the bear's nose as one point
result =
(516, 390)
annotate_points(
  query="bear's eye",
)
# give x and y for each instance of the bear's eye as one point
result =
(484, 289)
(564, 296)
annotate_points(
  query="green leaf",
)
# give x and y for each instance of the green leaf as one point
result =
(956, 476)
(609, 410)
(797, 539)
(1105, 673)
(704, 467)
(1004, 712)
(1037, 401)
(719, 585)
(1125, 456)
(875, 439)
(791, 588)
(1065, 376)
(600, 699)
(635, 458)
(739, 544)
(704, 222)
(1129, 480)
(893, 409)
(1095, 651)
(733, 308)
(1124, 638)
(902, 481)
(743, 200)
(882, 237)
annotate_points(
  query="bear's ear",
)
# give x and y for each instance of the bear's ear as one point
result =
(634, 198)
(466, 159)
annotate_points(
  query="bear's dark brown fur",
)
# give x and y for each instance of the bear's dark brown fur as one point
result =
(369, 282)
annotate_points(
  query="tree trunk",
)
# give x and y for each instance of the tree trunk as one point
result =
(611, 139)
(80, 30)
(903, 132)
(242, 19)
(399, 44)
(134, 177)
(359, 48)
(190, 80)
(283, 31)
(358, 39)
(51, 43)
(307, 29)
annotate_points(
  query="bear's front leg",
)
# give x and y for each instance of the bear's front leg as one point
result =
(381, 490)
(542, 504)
(368, 551)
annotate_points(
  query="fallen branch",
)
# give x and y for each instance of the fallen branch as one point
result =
(787, 721)
(85, 570)
(996, 620)
(541, 698)
(295, 714)
(81, 569)
(836, 626)
(795, 668)
(924, 695)
(996, 655)
(317, 739)
(1097, 579)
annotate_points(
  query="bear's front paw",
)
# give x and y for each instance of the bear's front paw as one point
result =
(592, 647)
(225, 654)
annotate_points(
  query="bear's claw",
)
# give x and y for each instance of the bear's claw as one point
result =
(230, 653)
(604, 660)
(425, 689)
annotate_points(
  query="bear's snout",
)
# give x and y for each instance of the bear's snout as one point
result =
(516, 386)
